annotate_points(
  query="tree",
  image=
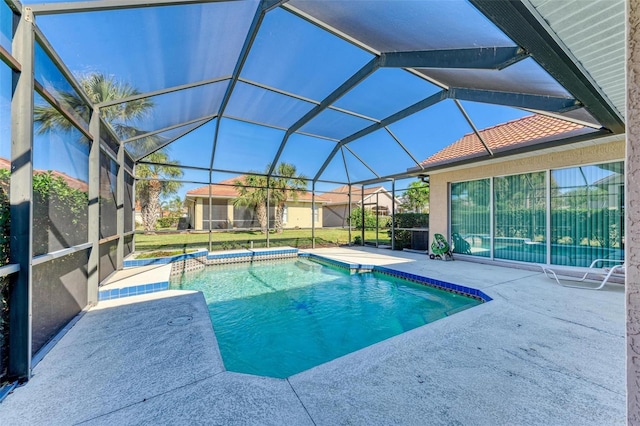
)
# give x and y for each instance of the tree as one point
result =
(288, 185)
(252, 191)
(100, 88)
(172, 206)
(156, 181)
(355, 219)
(417, 197)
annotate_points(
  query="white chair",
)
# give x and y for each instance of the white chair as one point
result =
(601, 272)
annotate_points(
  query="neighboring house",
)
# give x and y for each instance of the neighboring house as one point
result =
(336, 210)
(560, 204)
(225, 215)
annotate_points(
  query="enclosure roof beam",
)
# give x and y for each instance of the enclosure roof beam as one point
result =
(395, 176)
(521, 23)
(404, 148)
(473, 126)
(364, 72)
(517, 100)
(166, 129)
(344, 163)
(264, 7)
(362, 161)
(170, 141)
(102, 5)
(161, 92)
(489, 58)
(418, 106)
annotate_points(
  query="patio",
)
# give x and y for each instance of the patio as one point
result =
(537, 354)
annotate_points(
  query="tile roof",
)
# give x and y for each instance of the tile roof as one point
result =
(533, 129)
(340, 195)
(227, 189)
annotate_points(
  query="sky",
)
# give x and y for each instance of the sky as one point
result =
(156, 48)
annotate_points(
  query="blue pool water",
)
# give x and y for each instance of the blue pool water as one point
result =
(280, 318)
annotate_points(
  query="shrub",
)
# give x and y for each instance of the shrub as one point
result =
(168, 222)
(408, 220)
(355, 219)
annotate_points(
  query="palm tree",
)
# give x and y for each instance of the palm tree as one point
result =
(252, 190)
(156, 181)
(100, 88)
(289, 185)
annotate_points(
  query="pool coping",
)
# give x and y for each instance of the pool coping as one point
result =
(200, 259)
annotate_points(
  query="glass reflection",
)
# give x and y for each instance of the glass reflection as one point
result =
(470, 217)
(60, 176)
(6, 26)
(587, 214)
(52, 80)
(520, 217)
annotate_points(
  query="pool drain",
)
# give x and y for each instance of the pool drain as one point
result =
(180, 320)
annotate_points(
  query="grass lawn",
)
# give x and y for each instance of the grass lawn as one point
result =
(300, 238)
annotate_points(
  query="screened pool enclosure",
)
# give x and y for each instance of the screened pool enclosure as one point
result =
(106, 104)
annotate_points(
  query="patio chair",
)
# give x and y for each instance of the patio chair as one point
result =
(601, 272)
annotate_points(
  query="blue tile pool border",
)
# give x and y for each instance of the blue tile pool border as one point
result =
(132, 263)
(442, 285)
(439, 284)
(269, 254)
(136, 290)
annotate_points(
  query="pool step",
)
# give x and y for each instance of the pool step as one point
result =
(136, 281)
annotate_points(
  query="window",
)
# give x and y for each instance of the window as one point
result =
(285, 214)
(587, 214)
(316, 213)
(584, 205)
(520, 217)
(470, 217)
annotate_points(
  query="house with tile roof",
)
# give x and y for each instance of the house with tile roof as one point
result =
(298, 211)
(509, 202)
(336, 209)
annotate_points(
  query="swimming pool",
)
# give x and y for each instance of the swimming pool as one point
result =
(278, 318)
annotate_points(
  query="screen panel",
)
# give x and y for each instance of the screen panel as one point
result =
(174, 48)
(335, 125)
(108, 258)
(293, 55)
(409, 25)
(59, 294)
(246, 147)
(108, 196)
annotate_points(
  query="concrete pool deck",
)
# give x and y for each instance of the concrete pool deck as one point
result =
(537, 354)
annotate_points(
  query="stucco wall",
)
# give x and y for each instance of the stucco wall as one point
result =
(299, 215)
(439, 181)
(336, 215)
(383, 199)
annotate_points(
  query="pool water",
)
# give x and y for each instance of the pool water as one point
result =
(280, 318)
